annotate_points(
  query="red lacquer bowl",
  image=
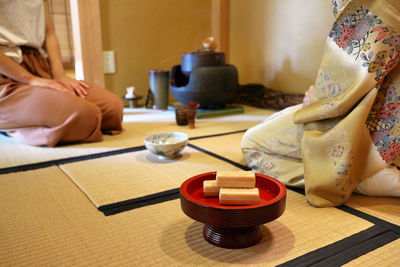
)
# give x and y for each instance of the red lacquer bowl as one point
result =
(233, 226)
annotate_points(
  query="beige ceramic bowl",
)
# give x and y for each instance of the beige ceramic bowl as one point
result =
(167, 144)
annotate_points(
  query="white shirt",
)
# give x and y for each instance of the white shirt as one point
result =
(22, 23)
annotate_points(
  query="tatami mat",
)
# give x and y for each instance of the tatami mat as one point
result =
(132, 175)
(20, 154)
(227, 146)
(141, 122)
(47, 221)
(385, 208)
(137, 124)
(49, 215)
(388, 255)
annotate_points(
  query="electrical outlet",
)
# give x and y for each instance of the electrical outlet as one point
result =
(109, 62)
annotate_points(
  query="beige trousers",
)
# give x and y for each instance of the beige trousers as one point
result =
(45, 117)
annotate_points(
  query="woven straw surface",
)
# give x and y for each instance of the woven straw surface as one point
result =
(126, 176)
(388, 255)
(137, 124)
(227, 146)
(386, 208)
(49, 215)
(46, 220)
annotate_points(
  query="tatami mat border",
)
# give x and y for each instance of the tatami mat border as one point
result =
(243, 167)
(44, 164)
(385, 224)
(335, 254)
(216, 135)
(347, 249)
(375, 220)
(358, 250)
(134, 203)
(49, 163)
(350, 248)
(130, 204)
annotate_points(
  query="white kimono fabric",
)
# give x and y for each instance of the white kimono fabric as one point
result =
(348, 137)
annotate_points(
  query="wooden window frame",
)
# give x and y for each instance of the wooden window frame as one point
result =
(86, 34)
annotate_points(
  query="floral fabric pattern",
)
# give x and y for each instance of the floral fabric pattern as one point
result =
(357, 32)
(351, 126)
(327, 86)
(336, 5)
(359, 63)
(384, 119)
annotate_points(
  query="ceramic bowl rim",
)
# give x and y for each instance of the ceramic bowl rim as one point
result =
(184, 135)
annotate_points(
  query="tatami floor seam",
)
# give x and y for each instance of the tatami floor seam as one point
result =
(340, 252)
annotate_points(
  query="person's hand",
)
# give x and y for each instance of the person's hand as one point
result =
(308, 95)
(53, 84)
(78, 87)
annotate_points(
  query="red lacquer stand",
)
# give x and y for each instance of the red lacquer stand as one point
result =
(233, 226)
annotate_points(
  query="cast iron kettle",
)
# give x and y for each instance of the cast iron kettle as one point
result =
(204, 77)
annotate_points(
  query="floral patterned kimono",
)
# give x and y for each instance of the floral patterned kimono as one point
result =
(348, 137)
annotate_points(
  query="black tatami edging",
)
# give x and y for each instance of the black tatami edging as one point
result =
(347, 249)
(365, 216)
(382, 233)
(172, 194)
(216, 135)
(385, 224)
(134, 203)
(335, 254)
(358, 250)
(45, 164)
(338, 253)
(241, 166)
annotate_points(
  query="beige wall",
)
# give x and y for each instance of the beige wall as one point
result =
(279, 43)
(144, 33)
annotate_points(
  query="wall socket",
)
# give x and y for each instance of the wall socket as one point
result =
(109, 62)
